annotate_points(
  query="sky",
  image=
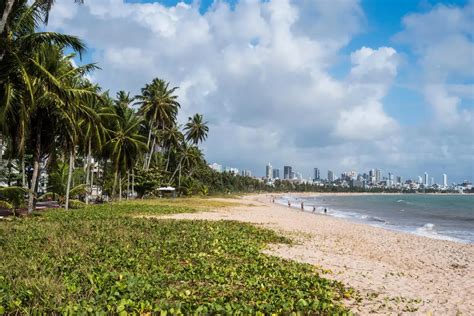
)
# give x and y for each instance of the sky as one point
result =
(335, 84)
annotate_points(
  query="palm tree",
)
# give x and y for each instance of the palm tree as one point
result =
(189, 157)
(9, 6)
(126, 143)
(196, 129)
(172, 137)
(159, 106)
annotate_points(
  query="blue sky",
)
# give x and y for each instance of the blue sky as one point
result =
(341, 85)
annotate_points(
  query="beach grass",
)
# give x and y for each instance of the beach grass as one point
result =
(104, 259)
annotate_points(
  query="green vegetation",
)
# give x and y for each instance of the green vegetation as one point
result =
(106, 259)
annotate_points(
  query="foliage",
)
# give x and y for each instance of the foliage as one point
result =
(100, 259)
(14, 196)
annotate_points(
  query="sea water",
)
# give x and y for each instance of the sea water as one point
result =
(441, 216)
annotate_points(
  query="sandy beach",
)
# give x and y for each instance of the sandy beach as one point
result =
(393, 272)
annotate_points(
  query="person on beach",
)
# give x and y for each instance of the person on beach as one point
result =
(314, 208)
(325, 210)
(302, 206)
(289, 203)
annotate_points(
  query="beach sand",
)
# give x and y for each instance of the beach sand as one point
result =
(393, 272)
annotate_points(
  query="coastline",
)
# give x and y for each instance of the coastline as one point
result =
(394, 272)
(425, 228)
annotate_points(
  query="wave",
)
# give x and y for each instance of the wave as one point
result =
(428, 230)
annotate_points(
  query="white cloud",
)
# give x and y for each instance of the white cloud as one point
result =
(260, 74)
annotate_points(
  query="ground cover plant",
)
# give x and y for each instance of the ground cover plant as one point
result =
(105, 259)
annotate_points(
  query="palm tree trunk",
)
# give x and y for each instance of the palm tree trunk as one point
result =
(152, 149)
(128, 184)
(92, 179)
(23, 175)
(120, 186)
(115, 183)
(133, 183)
(145, 160)
(87, 168)
(69, 177)
(36, 167)
(168, 159)
(3, 22)
(179, 178)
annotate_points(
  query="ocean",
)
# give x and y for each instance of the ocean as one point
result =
(449, 217)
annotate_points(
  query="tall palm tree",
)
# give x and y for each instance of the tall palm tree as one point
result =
(159, 106)
(172, 137)
(196, 130)
(18, 68)
(126, 143)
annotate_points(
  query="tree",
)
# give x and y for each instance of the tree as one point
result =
(126, 143)
(196, 130)
(159, 107)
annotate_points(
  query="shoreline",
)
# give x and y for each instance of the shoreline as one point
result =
(424, 230)
(394, 272)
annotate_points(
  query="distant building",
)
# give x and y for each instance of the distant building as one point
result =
(269, 171)
(377, 176)
(420, 180)
(276, 173)
(432, 181)
(231, 170)
(287, 172)
(246, 173)
(399, 180)
(426, 183)
(216, 167)
(330, 176)
(317, 175)
(390, 179)
(445, 180)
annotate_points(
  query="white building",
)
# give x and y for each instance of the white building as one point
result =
(445, 180)
(426, 183)
(269, 171)
(216, 167)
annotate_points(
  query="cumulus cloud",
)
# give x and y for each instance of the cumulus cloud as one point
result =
(260, 73)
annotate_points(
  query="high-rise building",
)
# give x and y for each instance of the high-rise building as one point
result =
(330, 176)
(426, 183)
(390, 179)
(372, 175)
(246, 173)
(420, 180)
(377, 176)
(269, 171)
(432, 181)
(399, 180)
(287, 172)
(276, 173)
(445, 180)
(317, 175)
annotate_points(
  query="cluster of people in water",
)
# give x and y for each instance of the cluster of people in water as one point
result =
(302, 206)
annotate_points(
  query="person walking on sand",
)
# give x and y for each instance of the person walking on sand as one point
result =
(325, 210)
(289, 203)
(314, 208)
(302, 206)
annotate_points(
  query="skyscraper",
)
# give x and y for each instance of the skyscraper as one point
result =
(287, 172)
(426, 183)
(445, 180)
(269, 171)
(377, 176)
(317, 175)
(276, 173)
(390, 179)
(330, 176)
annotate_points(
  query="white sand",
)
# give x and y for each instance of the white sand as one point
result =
(394, 272)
